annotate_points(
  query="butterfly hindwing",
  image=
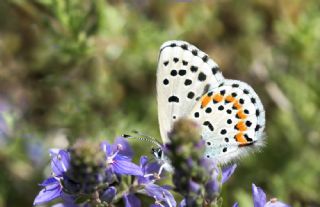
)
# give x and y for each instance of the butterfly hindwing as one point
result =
(232, 119)
(184, 74)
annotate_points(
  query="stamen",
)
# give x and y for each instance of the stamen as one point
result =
(110, 159)
(148, 175)
(161, 168)
(119, 147)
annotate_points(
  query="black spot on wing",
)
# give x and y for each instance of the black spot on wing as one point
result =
(184, 46)
(248, 123)
(195, 52)
(194, 68)
(182, 72)
(205, 58)
(220, 108)
(223, 131)
(209, 125)
(173, 99)
(214, 70)
(190, 95)
(202, 76)
(184, 62)
(187, 82)
(174, 73)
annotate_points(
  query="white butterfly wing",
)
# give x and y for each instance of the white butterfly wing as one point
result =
(184, 74)
(232, 119)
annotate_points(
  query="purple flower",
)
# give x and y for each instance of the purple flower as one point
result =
(118, 157)
(60, 160)
(160, 193)
(260, 199)
(149, 171)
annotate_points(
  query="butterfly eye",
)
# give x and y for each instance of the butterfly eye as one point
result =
(157, 152)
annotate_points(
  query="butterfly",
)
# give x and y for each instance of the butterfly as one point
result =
(230, 113)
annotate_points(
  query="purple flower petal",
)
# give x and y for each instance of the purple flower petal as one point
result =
(106, 148)
(183, 203)
(259, 197)
(194, 187)
(126, 148)
(48, 193)
(59, 162)
(49, 181)
(109, 194)
(160, 194)
(235, 204)
(276, 204)
(131, 200)
(143, 162)
(227, 172)
(123, 166)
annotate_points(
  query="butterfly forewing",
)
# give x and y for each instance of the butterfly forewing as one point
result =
(184, 74)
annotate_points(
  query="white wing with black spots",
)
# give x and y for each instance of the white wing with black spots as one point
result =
(184, 74)
(190, 84)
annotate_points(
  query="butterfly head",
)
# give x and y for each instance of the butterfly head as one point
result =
(157, 152)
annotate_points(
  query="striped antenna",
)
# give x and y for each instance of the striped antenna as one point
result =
(142, 137)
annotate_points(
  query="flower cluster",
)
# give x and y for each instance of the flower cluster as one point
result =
(87, 175)
(198, 179)
(104, 175)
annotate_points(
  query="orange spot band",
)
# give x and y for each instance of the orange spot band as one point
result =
(230, 98)
(241, 114)
(217, 98)
(240, 138)
(205, 101)
(241, 126)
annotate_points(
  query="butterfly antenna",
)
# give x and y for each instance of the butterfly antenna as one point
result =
(143, 137)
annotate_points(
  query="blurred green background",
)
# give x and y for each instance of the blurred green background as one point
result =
(87, 69)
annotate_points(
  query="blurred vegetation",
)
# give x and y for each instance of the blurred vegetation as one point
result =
(71, 69)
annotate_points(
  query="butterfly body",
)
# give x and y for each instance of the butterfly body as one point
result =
(190, 84)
